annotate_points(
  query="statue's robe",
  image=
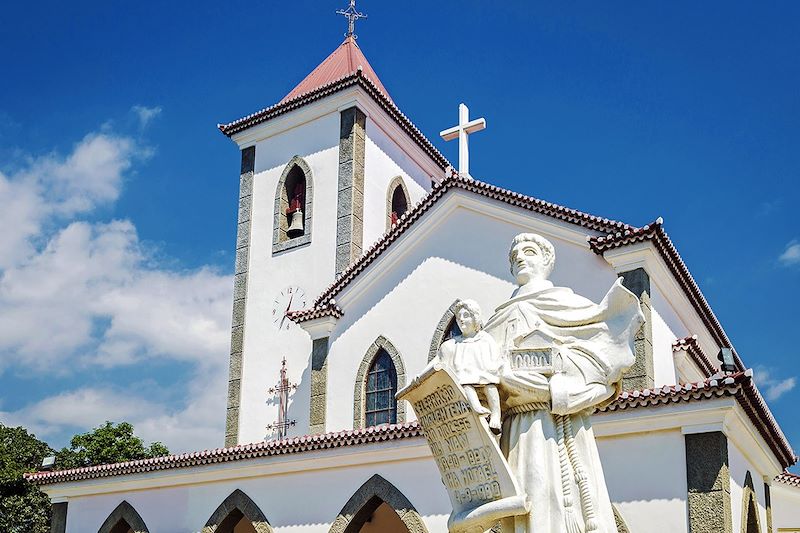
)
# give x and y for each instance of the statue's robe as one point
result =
(547, 435)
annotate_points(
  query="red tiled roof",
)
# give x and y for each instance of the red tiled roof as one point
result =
(357, 78)
(738, 385)
(236, 453)
(696, 353)
(343, 61)
(439, 189)
(789, 479)
(655, 233)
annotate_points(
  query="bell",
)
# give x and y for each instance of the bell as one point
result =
(295, 224)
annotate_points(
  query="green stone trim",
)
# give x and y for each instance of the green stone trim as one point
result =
(58, 518)
(239, 295)
(708, 483)
(231, 510)
(280, 240)
(359, 395)
(441, 330)
(622, 527)
(126, 512)
(398, 180)
(359, 508)
(751, 521)
(319, 385)
(350, 199)
(641, 375)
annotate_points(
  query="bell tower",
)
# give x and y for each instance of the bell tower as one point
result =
(315, 179)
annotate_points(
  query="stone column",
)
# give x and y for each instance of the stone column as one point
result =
(350, 206)
(58, 520)
(641, 374)
(239, 295)
(319, 385)
(708, 483)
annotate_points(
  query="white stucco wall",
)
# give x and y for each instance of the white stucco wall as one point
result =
(646, 479)
(414, 289)
(301, 502)
(739, 465)
(310, 267)
(384, 160)
(785, 507)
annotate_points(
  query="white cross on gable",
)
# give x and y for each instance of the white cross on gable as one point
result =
(464, 128)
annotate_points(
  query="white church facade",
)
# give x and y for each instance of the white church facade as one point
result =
(355, 239)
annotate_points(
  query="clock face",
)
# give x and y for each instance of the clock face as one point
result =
(292, 298)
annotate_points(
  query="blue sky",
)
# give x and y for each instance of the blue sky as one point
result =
(118, 194)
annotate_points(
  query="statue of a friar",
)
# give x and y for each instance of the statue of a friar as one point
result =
(565, 356)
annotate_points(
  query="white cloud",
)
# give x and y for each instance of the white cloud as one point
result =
(191, 426)
(773, 387)
(791, 255)
(146, 114)
(75, 294)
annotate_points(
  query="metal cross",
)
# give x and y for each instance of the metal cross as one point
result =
(352, 16)
(464, 128)
(281, 390)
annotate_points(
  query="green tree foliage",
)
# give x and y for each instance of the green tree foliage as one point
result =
(26, 509)
(23, 507)
(108, 443)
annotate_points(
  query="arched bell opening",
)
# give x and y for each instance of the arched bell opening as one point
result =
(397, 202)
(293, 206)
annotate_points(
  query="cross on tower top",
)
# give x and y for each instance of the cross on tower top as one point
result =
(464, 128)
(352, 16)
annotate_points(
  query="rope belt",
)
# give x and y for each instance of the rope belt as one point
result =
(526, 408)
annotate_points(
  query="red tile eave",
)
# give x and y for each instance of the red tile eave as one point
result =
(696, 353)
(356, 78)
(738, 385)
(286, 446)
(439, 189)
(655, 233)
(789, 479)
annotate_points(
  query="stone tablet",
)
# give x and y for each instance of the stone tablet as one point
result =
(480, 484)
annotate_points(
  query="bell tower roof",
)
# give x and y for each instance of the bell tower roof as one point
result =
(347, 59)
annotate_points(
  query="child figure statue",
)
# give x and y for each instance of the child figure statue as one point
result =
(475, 359)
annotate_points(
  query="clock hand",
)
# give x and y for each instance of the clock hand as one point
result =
(290, 304)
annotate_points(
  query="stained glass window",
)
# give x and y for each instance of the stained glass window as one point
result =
(381, 386)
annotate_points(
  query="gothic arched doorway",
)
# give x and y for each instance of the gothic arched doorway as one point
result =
(378, 506)
(124, 519)
(237, 514)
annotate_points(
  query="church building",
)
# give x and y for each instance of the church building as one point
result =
(356, 237)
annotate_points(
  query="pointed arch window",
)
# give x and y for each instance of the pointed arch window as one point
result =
(292, 217)
(380, 388)
(397, 202)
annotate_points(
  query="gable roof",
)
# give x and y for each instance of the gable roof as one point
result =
(343, 61)
(359, 78)
(325, 304)
(655, 234)
(738, 385)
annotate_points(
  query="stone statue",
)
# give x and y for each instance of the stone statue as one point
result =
(475, 360)
(565, 355)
